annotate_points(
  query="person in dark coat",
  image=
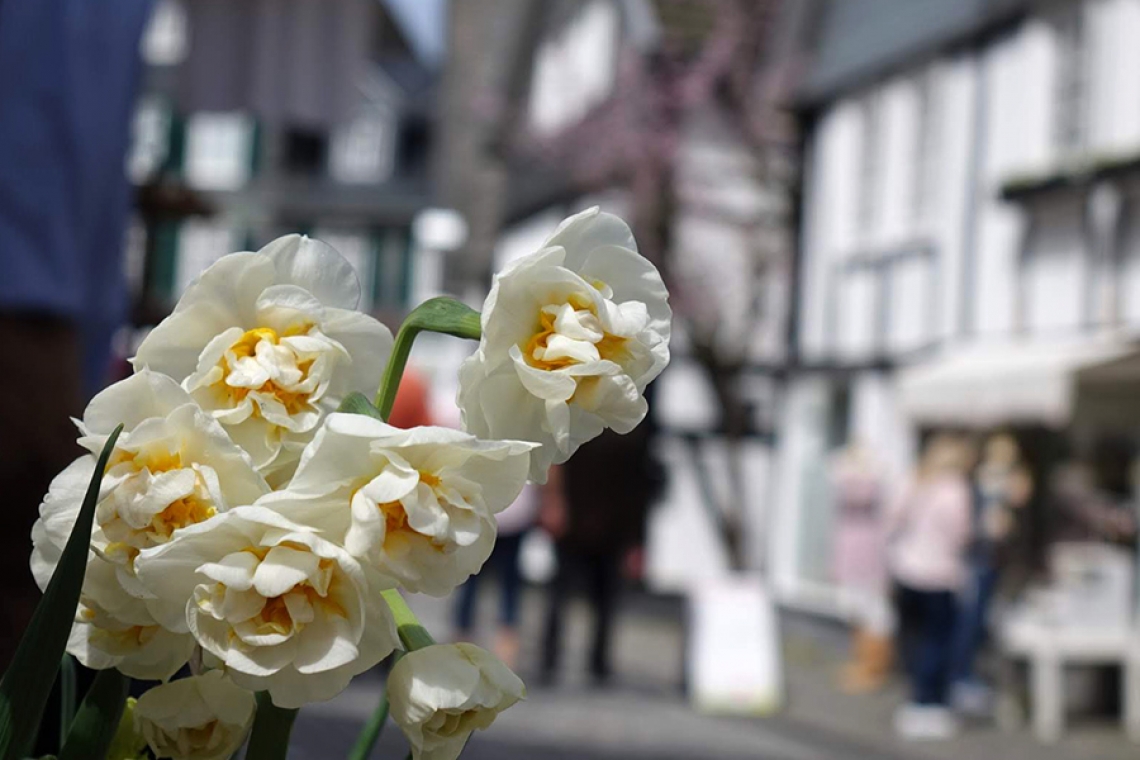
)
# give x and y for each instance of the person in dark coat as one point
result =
(595, 507)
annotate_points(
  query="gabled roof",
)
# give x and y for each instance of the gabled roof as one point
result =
(423, 24)
(852, 42)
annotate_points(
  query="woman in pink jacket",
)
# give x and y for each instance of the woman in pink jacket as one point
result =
(929, 530)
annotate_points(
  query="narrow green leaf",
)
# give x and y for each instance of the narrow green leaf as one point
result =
(370, 734)
(98, 718)
(26, 684)
(442, 315)
(357, 403)
(412, 633)
(269, 739)
(66, 696)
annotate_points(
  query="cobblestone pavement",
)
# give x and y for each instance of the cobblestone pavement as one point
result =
(644, 715)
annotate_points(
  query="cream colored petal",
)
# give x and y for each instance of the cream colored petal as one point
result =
(369, 344)
(316, 267)
(130, 401)
(282, 569)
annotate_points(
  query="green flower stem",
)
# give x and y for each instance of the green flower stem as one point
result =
(269, 739)
(442, 315)
(412, 634)
(371, 731)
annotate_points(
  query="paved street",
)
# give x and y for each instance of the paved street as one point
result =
(644, 716)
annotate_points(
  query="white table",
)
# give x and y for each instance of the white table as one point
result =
(1049, 647)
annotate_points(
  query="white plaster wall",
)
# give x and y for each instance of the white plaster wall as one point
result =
(831, 232)
(877, 420)
(1055, 269)
(812, 319)
(956, 82)
(1114, 108)
(912, 286)
(857, 295)
(1129, 284)
(1016, 130)
(802, 431)
(828, 209)
(682, 545)
(899, 99)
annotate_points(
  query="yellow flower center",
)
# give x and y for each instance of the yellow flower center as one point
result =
(132, 637)
(276, 618)
(154, 459)
(396, 516)
(246, 347)
(610, 347)
(538, 341)
(188, 510)
(181, 513)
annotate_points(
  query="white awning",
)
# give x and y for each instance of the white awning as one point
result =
(1011, 382)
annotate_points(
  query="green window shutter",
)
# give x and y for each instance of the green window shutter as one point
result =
(406, 267)
(161, 282)
(255, 149)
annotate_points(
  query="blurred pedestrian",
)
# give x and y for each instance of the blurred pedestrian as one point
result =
(860, 566)
(1001, 486)
(513, 524)
(595, 508)
(929, 529)
(68, 76)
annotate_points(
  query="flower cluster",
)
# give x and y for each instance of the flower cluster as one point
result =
(246, 527)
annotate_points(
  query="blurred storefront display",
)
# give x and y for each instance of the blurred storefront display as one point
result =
(967, 262)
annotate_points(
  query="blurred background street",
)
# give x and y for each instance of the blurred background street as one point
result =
(645, 714)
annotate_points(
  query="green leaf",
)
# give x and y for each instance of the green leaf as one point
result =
(269, 739)
(357, 403)
(66, 696)
(442, 315)
(369, 735)
(97, 721)
(26, 684)
(412, 633)
(127, 743)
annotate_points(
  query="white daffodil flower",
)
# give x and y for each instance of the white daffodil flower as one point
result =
(284, 610)
(441, 693)
(268, 342)
(173, 466)
(572, 334)
(203, 717)
(418, 505)
(113, 629)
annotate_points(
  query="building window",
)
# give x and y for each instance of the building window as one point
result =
(414, 146)
(925, 160)
(201, 242)
(1070, 82)
(218, 149)
(575, 69)
(870, 173)
(361, 151)
(149, 139)
(305, 152)
(166, 37)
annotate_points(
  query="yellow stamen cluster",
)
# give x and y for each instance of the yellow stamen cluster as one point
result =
(245, 347)
(611, 347)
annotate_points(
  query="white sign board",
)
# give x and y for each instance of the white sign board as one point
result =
(734, 647)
